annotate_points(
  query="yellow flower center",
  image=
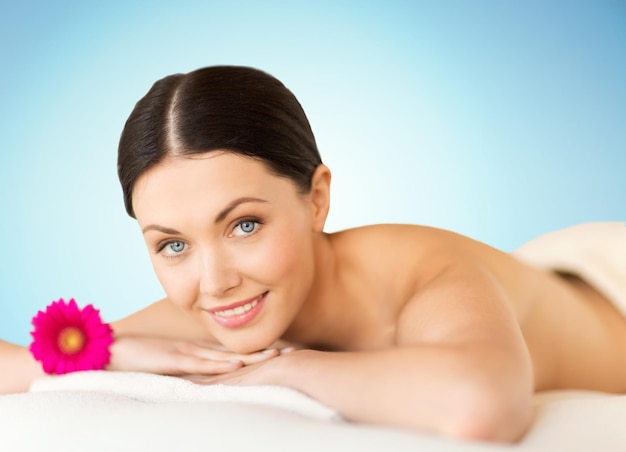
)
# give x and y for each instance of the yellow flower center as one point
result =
(71, 340)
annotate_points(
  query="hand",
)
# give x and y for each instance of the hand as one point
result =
(179, 357)
(266, 372)
(260, 373)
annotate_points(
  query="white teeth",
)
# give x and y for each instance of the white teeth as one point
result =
(239, 309)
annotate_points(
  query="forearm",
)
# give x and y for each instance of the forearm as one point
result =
(19, 368)
(429, 388)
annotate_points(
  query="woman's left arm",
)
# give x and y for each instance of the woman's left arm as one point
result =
(460, 367)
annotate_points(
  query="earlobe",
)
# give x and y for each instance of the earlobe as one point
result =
(320, 196)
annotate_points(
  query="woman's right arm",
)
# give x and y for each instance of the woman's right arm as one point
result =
(19, 368)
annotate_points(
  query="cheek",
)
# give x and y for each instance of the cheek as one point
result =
(177, 282)
(284, 256)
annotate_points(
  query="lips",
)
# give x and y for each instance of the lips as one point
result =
(240, 313)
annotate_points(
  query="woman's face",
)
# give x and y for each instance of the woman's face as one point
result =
(230, 242)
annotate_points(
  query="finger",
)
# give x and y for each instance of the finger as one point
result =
(259, 357)
(188, 364)
(252, 358)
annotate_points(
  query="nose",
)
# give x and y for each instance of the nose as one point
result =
(218, 273)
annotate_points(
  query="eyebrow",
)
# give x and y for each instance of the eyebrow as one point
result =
(220, 216)
(230, 207)
(163, 229)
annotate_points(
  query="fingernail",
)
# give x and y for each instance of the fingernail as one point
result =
(269, 351)
(287, 349)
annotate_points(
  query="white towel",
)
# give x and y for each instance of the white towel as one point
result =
(595, 252)
(152, 388)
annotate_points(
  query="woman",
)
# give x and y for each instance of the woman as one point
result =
(391, 324)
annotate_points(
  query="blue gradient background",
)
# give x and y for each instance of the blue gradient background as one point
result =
(498, 119)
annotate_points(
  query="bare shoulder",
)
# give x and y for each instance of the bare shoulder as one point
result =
(402, 262)
(398, 261)
(392, 257)
(437, 287)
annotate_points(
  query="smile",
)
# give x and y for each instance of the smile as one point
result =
(238, 314)
(239, 309)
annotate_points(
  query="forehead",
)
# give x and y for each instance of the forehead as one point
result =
(204, 180)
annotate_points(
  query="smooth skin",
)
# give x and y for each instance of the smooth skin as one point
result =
(401, 325)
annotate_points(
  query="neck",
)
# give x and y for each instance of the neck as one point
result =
(321, 313)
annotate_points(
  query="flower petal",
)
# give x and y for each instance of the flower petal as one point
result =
(58, 316)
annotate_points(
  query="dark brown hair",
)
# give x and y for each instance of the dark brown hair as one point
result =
(238, 109)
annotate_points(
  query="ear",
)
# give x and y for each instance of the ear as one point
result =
(320, 196)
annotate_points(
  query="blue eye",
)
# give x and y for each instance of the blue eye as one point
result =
(172, 249)
(176, 247)
(245, 227)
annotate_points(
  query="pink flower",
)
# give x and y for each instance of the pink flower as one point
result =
(67, 339)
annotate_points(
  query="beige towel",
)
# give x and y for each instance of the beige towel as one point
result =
(596, 252)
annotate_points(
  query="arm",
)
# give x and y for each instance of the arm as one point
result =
(428, 387)
(461, 367)
(19, 368)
